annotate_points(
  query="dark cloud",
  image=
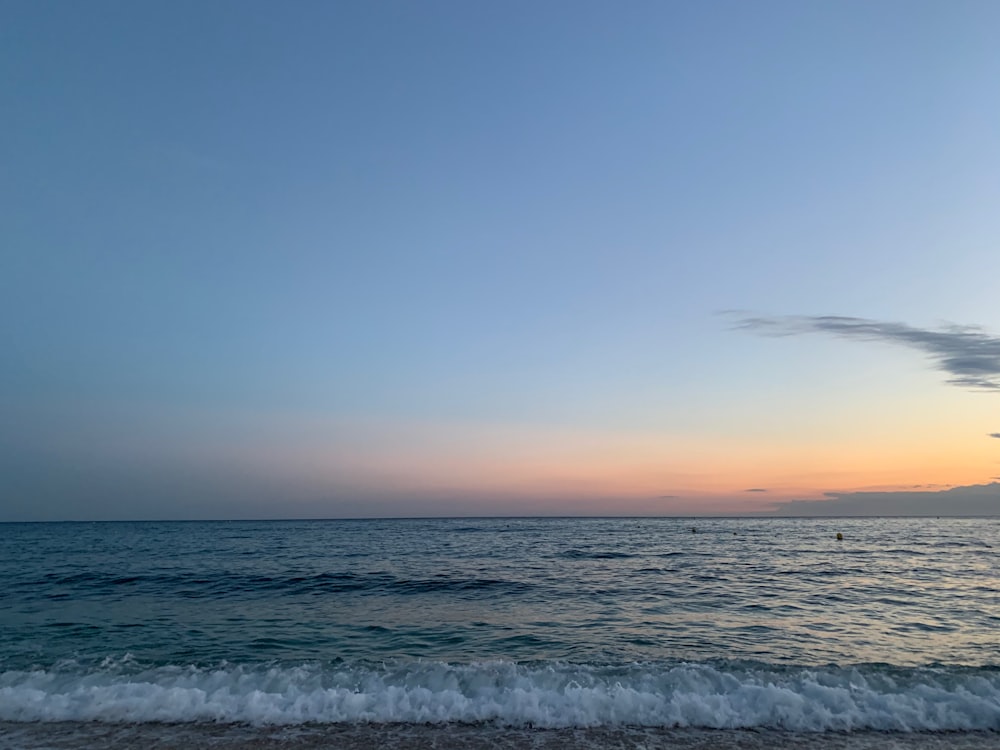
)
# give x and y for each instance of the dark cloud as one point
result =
(972, 500)
(756, 489)
(995, 434)
(968, 354)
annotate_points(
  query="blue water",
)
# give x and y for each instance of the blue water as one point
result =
(762, 624)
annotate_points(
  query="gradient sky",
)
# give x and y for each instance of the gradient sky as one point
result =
(322, 259)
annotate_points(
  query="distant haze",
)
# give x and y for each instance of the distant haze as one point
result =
(978, 500)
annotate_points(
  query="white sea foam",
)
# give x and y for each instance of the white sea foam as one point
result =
(554, 695)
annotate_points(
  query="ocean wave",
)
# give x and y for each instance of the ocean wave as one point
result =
(549, 695)
(579, 554)
(194, 586)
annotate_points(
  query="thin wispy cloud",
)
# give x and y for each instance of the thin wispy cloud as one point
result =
(756, 489)
(968, 354)
(995, 434)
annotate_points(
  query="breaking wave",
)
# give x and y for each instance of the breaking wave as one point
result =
(541, 694)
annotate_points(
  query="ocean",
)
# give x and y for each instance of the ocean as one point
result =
(502, 633)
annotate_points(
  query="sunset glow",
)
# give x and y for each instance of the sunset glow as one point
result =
(461, 259)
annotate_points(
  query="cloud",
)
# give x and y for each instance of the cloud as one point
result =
(995, 434)
(970, 500)
(756, 489)
(969, 354)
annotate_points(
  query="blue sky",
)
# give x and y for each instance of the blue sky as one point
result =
(334, 259)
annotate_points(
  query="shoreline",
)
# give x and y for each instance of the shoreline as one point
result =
(453, 736)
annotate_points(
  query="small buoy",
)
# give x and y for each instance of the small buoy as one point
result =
(840, 537)
(694, 530)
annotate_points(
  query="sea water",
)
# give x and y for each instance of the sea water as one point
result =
(646, 632)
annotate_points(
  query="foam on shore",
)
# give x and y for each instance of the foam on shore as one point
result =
(546, 695)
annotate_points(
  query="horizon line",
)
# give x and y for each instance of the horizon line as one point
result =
(757, 516)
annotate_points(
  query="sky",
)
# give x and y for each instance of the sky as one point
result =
(309, 260)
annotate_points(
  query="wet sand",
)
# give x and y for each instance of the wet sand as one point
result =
(78, 735)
